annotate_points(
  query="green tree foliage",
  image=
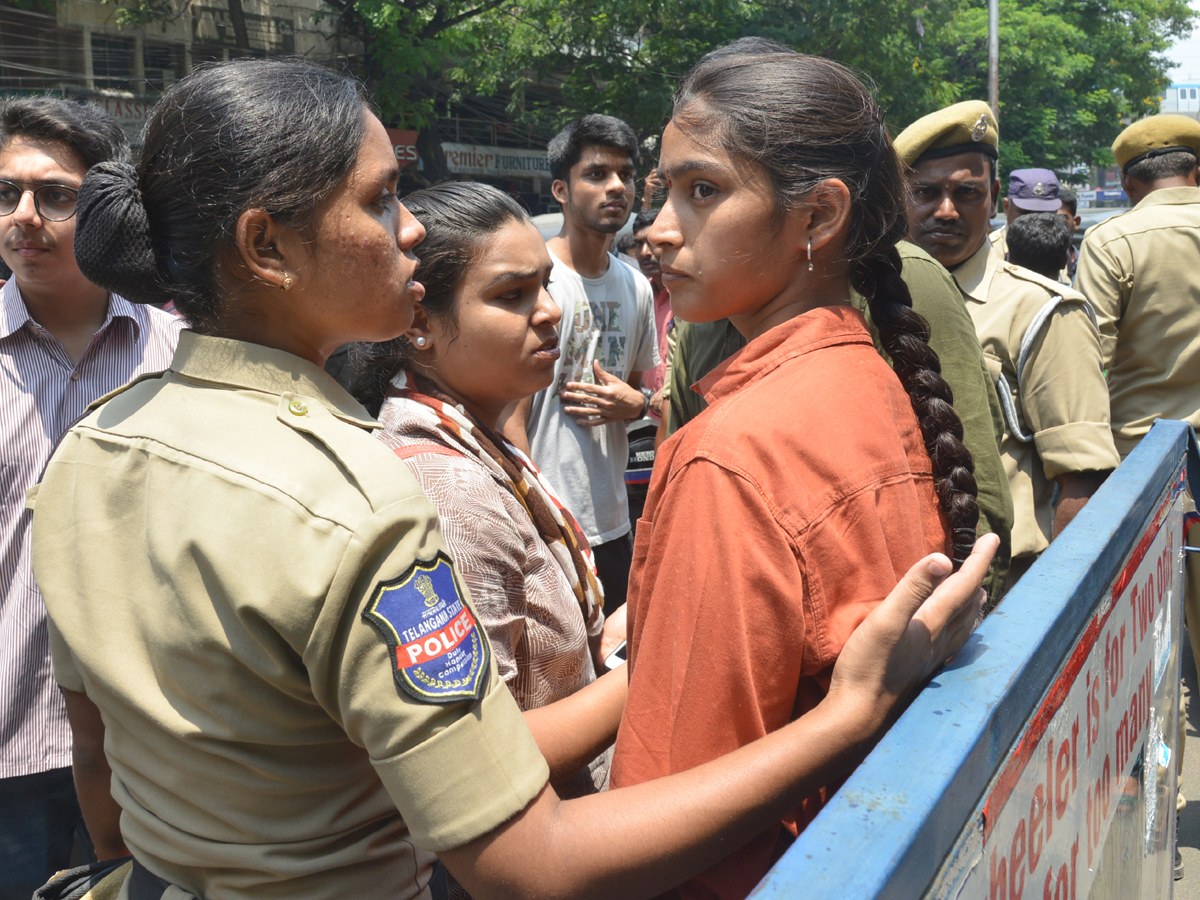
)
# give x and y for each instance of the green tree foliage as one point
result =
(1072, 71)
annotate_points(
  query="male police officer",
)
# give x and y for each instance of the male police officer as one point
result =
(1056, 403)
(1029, 191)
(1140, 270)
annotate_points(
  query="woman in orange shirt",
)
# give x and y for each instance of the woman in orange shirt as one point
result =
(784, 513)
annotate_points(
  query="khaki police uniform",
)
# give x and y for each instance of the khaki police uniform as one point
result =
(999, 240)
(1043, 354)
(299, 701)
(1141, 270)
(1058, 399)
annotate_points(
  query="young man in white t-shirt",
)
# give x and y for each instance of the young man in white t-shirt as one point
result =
(575, 429)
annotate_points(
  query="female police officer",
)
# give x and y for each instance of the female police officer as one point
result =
(251, 607)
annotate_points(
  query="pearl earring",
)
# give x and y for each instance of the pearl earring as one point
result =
(422, 341)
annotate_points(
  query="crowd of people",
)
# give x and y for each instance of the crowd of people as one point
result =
(319, 572)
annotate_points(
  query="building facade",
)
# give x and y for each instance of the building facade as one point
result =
(78, 48)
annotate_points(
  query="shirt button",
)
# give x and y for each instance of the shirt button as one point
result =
(74, 376)
(298, 408)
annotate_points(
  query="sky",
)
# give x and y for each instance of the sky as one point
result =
(1186, 56)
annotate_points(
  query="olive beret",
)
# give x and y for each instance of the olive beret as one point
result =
(1154, 136)
(962, 128)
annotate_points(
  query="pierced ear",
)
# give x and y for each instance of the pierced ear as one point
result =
(419, 334)
(264, 249)
(828, 212)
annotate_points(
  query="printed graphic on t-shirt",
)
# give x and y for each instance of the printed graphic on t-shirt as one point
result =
(595, 335)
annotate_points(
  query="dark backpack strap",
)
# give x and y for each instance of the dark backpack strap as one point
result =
(439, 888)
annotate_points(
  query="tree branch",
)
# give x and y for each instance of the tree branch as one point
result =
(435, 27)
(238, 17)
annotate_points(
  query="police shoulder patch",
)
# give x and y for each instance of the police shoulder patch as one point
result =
(439, 651)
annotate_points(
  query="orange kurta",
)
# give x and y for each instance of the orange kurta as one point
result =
(775, 522)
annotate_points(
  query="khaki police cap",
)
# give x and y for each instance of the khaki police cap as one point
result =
(962, 128)
(1154, 136)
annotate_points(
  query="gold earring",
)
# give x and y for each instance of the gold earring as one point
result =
(287, 283)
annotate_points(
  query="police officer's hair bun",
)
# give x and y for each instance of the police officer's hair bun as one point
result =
(271, 134)
(112, 234)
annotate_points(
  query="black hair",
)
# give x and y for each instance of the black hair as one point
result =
(1166, 165)
(566, 148)
(1039, 241)
(644, 219)
(271, 134)
(1069, 199)
(624, 243)
(459, 217)
(805, 119)
(88, 130)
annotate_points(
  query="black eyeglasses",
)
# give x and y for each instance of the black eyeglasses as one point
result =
(54, 202)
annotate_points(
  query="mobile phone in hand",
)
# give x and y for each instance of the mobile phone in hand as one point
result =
(616, 658)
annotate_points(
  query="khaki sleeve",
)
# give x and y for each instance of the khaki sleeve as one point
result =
(65, 672)
(672, 341)
(676, 410)
(952, 336)
(456, 770)
(1100, 277)
(1064, 396)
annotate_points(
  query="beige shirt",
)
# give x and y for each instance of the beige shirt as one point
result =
(1141, 271)
(999, 239)
(1060, 399)
(208, 542)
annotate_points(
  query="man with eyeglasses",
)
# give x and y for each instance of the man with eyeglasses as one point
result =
(64, 342)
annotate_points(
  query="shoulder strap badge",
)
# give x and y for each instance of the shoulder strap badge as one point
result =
(979, 132)
(439, 652)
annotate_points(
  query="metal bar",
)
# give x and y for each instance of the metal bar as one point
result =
(994, 57)
(912, 797)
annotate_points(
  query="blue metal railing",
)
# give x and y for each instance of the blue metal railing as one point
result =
(891, 826)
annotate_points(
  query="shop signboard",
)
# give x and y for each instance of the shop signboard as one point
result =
(497, 162)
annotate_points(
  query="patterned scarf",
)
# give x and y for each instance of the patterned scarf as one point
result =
(554, 523)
